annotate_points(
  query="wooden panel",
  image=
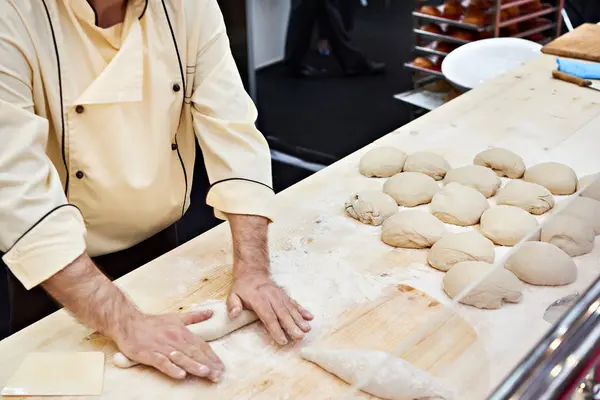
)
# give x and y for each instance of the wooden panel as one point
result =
(582, 43)
(385, 324)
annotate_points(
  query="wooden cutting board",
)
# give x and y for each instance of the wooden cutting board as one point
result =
(448, 346)
(448, 349)
(582, 43)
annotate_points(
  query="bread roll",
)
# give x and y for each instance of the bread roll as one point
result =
(452, 10)
(423, 62)
(462, 34)
(443, 47)
(430, 10)
(474, 19)
(432, 28)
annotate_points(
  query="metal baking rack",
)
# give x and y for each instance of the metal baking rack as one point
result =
(544, 25)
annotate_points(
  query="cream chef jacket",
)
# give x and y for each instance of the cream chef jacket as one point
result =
(97, 128)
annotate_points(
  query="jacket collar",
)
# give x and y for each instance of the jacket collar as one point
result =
(122, 79)
(84, 10)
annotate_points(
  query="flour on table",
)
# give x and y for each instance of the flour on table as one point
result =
(319, 277)
(322, 281)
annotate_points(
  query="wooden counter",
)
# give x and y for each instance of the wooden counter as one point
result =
(524, 110)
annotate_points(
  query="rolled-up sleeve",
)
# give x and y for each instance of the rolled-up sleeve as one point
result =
(40, 233)
(236, 154)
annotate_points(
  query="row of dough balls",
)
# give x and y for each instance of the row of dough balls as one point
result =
(468, 256)
(463, 202)
(557, 178)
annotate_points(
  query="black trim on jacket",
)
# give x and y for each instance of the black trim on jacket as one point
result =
(239, 179)
(60, 91)
(39, 221)
(184, 92)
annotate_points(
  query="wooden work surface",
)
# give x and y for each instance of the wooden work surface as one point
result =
(524, 110)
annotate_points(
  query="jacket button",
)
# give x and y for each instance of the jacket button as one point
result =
(174, 146)
(176, 87)
(79, 174)
(79, 109)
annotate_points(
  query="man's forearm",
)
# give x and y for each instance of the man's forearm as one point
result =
(91, 297)
(250, 243)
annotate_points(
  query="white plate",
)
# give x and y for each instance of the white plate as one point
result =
(477, 62)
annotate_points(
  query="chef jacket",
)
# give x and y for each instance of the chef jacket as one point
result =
(97, 128)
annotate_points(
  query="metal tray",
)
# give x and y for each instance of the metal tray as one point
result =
(445, 38)
(477, 28)
(447, 21)
(425, 70)
(429, 50)
(423, 98)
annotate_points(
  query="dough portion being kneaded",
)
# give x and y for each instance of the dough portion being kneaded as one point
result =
(571, 235)
(502, 161)
(412, 229)
(556, 177)
(382, 162)
(453, 248)
(411, 189)
(542, 264)
(502, 285)
(217, 326)
(480, 178)
(458, 205)
(427, 163)
(508, 225)
(531, 197)
(371, 207)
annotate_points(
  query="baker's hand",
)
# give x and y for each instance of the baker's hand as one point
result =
(256, 291)
(164, 342)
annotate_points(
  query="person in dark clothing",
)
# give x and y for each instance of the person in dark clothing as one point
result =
(347, 10)
(303, 17)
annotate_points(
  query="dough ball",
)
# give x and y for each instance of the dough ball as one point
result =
(531, 197)
(585, 209)
(480, 178)
(371, 207)
(411, 188)
(458, 205)
(507, 225)
(501, 285)
(557, 178)
(592, 185)
(427, 163)
(502, 161)
(453, 248)
(412, 229)
(382, 162)
(570, 234)
(543, 264)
